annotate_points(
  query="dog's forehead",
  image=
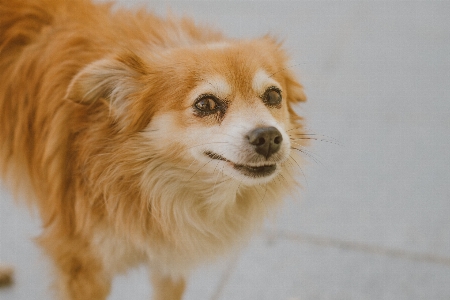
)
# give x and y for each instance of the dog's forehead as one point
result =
(262, 80)
(214, 84)
(243, 67)
(224, 86)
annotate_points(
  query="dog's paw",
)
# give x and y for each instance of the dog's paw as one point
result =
(6, 275)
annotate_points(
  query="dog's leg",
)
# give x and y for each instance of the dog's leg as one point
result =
(80, 272)
(166, 288)
(6, 274)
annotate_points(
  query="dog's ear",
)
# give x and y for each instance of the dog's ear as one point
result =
(112, 79)
(121, 83)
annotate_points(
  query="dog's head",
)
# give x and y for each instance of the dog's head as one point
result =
(221, 108)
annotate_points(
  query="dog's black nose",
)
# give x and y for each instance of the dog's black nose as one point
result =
(267, 140)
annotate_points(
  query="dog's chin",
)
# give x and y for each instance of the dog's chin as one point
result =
(249, 173)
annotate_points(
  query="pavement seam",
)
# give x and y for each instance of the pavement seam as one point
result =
(358, 246)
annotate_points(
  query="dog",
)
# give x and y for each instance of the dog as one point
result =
(141, 139)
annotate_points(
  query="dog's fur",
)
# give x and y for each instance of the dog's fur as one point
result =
(98, 121)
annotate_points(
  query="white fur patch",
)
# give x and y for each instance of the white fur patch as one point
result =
(262, 81)
(217, 85)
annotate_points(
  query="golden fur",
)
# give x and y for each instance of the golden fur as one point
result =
(97, 123)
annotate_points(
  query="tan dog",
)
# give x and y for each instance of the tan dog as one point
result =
(141, 140)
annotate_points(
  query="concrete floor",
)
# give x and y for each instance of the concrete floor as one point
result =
(373, 221)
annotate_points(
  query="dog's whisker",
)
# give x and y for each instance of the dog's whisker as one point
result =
(264, 194)
(239, 185)
(308, 154)
(196, 172)
(221, 171)
(278, 181)
(301, 170)
(317, 139)
(306, 150)
(285, 184)
(192, 162)
(290, 170)
(293, 192)
(284, 69)
(217, 176)
(281, 177)
(295, 128)
(255, 188)
(307, 132)
(315, 135)
(215, 168)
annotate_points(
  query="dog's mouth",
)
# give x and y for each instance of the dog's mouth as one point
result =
(248, 170)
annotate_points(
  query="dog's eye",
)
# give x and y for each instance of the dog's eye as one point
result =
(206, 104)
(272, 97)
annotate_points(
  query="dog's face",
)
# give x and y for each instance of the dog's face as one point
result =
(237, 124)
(223, 108)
